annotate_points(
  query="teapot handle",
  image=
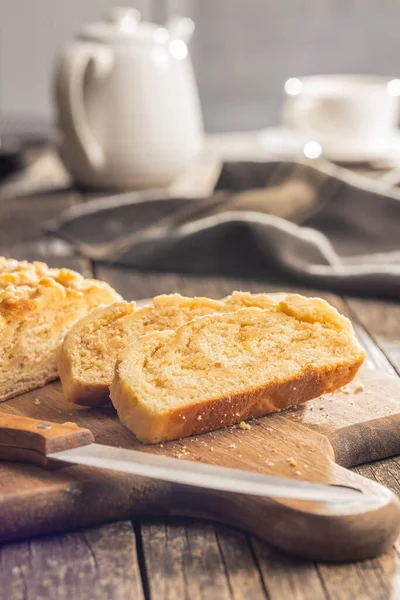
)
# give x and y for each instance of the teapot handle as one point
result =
(72, 67)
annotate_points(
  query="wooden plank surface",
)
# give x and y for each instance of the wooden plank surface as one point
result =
(303, 580)
(98, 563)
(267, 573)
(382, 319)
(292, 444)
(282, 577)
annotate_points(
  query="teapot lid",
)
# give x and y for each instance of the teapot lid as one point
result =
(123, 24)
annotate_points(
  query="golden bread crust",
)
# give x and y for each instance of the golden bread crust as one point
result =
(83, 387)
(86, 371)
(37, 307)
(23, 284)
(223, 411)
(149, 390)
(75, 385)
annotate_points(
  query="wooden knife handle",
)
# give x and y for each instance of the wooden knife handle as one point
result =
(29, 440)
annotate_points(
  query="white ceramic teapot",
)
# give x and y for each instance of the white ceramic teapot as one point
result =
(127, 103)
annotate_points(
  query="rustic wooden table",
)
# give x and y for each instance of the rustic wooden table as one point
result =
(184, 559)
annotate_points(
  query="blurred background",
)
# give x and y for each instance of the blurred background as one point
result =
(243, 50)
(277, 148)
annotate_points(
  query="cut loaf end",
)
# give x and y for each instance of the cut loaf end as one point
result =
(224, 368)
(38, 305)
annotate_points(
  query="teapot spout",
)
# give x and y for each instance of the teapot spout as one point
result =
(180, 28)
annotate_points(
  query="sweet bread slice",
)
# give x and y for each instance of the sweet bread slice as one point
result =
(91, 347)
(223, 368)
(37, 307)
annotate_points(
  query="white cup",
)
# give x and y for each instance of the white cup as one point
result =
(354, 111)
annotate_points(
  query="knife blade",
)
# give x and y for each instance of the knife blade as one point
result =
(42, 443)
(202, 475)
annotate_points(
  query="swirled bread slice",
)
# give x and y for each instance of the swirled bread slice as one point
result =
(221, 369)
(91, 347)
(37, 307)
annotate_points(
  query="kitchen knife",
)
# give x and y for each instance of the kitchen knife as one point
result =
(45, 444)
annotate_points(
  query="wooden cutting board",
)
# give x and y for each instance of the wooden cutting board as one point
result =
(359, 424)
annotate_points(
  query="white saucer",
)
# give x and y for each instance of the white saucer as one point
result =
(290, 144)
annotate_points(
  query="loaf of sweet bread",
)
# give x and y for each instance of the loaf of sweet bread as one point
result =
(38, 305)
(223, 368)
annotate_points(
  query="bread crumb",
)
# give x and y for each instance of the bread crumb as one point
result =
(269, 429)
(269, 463)
(161, 445)
(244, 425)
(211, 449)
(359, 388)
(37, 401)
(237, 414)
(298, 472)
(321, 407)
(199, 418)
(232, 446)
(292, 461)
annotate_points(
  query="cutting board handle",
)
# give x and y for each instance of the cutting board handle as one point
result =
(30, 441)
(316, 531)
(333, 532)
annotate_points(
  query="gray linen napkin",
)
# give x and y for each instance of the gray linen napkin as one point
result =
(318, 224)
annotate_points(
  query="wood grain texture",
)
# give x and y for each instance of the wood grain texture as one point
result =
(184, 552)
(97, 564)
(307, 580)
(382, 319)
(290, 444)
(276, 431)
(209, 556)
(29, 441)
(134, 285)
(21, 230)
(285, 577)
(21, 221)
